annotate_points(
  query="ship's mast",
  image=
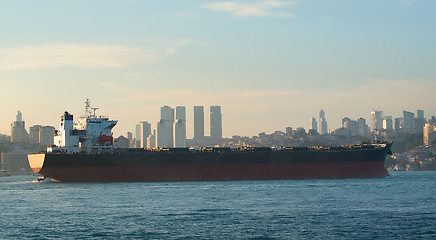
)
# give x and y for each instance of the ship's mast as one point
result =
(88, 108)
(89, 111)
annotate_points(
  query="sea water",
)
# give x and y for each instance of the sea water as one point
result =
(401, 206)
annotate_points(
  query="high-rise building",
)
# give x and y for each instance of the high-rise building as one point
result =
(145, 131)
(398, 124)
(161, 135)
(179, 134)
(351, 125)
(420, 114)
(198, 121)
(181, 113)
(408, 119)
(314, 125)
(34, 133)
(151, 140)
(138, 135)
(288, 130)
(418, 124)
(43, 135)
(322, 123)
(46, 135)
(432, 120)
(419, 121)
(429, 133)
(180, 127)
(216, 128)
(167, 114)
(362, 127)
(130, 139)
(376, 120)
(387, 123)
(18, 130)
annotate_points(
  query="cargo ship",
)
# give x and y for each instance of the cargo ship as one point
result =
(84, 152)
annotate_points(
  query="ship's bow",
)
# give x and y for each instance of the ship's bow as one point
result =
(36, 161)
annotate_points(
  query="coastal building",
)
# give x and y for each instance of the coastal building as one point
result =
(180, 128)
(121, 142)
(130, 138)
(198, 121)
(398, 124)
(322, 123)
(313, 125)
(179, 134)
(18, 130)
(387, 123)
(350, 125)
(420, 114)
(15, 162)
(429, 134)
(288, 130)
(167, 115)
(46, 135)
(216, 128)
(43, 135)
(138, 135)
(151, 140)
(376, 120)
(161, 135)
(408, 119)
(145, 131)
(362, 127)
(34, 133)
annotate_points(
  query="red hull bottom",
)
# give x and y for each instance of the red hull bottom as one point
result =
(222, 172)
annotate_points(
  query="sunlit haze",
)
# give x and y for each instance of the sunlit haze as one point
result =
(270, 64)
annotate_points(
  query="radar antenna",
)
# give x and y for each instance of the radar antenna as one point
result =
(94, 109)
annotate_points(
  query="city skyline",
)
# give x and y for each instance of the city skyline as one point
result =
(269, 64)
(143, 129)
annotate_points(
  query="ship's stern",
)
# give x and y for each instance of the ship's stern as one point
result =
(36, 161)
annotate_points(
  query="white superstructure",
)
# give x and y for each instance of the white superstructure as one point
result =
(90, 133)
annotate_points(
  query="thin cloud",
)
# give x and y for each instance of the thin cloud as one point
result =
(77, 55)
(179, 44)
(268, 8)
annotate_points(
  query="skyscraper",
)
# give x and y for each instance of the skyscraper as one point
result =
(398, 122)
(322, 123)
(180, 127)
(388, 123)
(179, 134)
(145, 131)
(46, 135)
(216, 128)
(429, 134)
(420, 114)
(376, 120)
(138, 135)
(408, 119)
(314, 124)
(18, 130)
(198, 121)
(34, 133)
(161, 135)
(151, 140)
(181, 113)
(167, 114)
(362, 127)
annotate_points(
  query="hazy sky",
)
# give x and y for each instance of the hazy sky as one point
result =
(270, 64)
